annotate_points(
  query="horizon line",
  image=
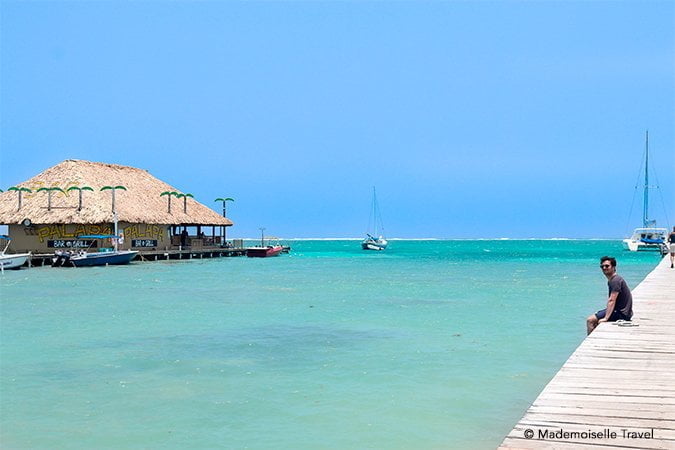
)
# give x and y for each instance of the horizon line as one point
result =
(432, 239)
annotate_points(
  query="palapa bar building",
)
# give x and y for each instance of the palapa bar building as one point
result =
(76, 198)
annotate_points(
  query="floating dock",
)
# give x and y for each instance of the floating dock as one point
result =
(617, 390)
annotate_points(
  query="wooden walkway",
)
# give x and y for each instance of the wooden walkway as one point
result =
(619, 383)
(45, 259)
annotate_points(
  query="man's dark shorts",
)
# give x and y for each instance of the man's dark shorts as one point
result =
(616, 315)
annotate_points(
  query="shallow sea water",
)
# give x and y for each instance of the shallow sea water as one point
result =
(429, 345)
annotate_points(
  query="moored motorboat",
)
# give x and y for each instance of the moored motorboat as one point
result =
(112, 258)
(263, 252)
(11, 260)
(104, 257)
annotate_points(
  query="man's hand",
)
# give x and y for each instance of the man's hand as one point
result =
(602, 320)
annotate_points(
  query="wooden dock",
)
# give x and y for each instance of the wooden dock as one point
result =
(618, 384)
(45, 259)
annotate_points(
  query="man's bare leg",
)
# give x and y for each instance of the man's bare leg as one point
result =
(591, 323)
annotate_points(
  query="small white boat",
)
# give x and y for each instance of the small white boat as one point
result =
(375, 225)
(649, 236)
(11, 261)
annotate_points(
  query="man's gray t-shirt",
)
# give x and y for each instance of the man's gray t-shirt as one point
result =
(624, 301)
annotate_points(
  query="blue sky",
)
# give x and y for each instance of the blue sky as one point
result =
(472, 119)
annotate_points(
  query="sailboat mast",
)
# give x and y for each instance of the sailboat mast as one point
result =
(375, 224)
(377, 218)
(645, 203)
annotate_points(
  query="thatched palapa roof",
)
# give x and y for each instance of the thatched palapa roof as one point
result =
(139, 203)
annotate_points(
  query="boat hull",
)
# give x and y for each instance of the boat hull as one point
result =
(13, 261)
(378, 245)
(264, 252)
(637, 246)
(646, 239)
(103, 259)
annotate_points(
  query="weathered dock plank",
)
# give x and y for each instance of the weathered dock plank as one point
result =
(618, 388)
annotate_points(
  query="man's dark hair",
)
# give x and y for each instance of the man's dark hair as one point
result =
(611, 260)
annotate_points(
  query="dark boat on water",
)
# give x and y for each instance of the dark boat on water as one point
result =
(104, 257)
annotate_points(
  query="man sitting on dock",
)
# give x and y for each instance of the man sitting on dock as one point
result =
(620, 300)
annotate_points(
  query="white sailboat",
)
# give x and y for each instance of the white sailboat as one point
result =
(375, 226)
(648, 236)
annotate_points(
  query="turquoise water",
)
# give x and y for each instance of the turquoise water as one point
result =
(431, 344)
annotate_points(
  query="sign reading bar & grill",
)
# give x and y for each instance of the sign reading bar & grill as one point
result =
(71, 243)
(144, 242)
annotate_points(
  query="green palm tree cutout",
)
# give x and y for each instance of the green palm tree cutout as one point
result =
(113, 189)
(184, 197)
(19, 190)
(224, 200)
(223, 228)
(169, 194)
(79, 189)
(49, 191)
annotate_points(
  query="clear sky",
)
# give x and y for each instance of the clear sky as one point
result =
(472, 119)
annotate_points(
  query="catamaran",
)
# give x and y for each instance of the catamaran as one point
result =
(375, 225)
(649, 236)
